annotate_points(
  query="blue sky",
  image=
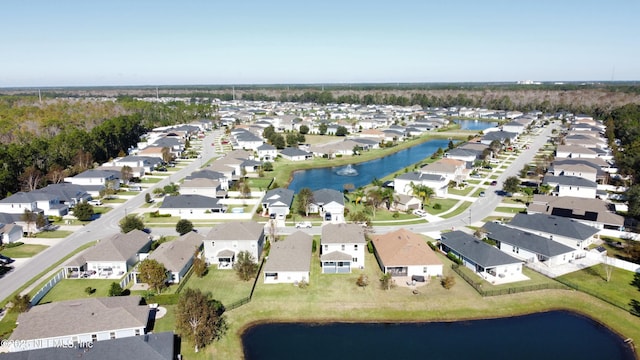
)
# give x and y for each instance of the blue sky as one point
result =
(140, 42)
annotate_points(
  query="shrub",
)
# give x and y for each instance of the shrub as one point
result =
(370, 247)
(395, 215)
(303, 284)
(89, 290)
(432, 246)
(314, 246)
(12, 245)
(363, 281)
(448, 282)
(437, 206)
(454, 258)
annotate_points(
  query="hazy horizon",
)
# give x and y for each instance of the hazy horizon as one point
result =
(71, 43)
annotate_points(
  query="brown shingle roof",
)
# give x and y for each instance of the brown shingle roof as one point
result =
(237, 230)
(342, 234)
(291, 254)
(174, 255)
(403, 247)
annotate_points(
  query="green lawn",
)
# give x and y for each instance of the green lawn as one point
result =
(459, 210)
(224, 285)
(461, 192)
(150, 180)
(445, 205)
(114, 201)
(69, 289)
(509, 210)
(260, 183)
(619, 290)
(55, 234)
(23, 251)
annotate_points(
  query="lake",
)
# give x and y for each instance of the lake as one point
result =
(550, 335)
(475, 125)
(366, 171)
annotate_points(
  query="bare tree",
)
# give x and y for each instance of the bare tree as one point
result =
(31, 178)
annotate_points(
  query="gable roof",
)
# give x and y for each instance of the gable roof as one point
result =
(65, 191)
(291, 151)
(174, 255)
(569, 181)
(525, 240)
(475, 250)
(553, 225)
(576, 208)
(119, 247)
(342, 234)
(189, 201)
(156, 346)
(325, 196)
(81, 316)
(278, 197)
(403, 247)
(291, 254)
(236, 230)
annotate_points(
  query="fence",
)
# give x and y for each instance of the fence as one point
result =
(505, 291)
(247, 299)
(48, 286)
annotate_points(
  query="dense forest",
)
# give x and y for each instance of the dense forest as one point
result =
(44, 140)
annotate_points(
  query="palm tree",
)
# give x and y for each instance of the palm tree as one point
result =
(424, 192)
(388, 195)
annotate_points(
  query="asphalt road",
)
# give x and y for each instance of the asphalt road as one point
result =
(103, 227)
(107, 225)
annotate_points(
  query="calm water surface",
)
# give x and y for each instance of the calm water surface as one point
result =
(551, 335)
(328, 177)
(475, 125)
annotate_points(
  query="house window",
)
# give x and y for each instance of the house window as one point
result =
(94, 337)
(112, 335)
(326, 248)
(516, 250)
(137, 332)
(342, 247)
(355, 260)
(355, 247)
(424, 270)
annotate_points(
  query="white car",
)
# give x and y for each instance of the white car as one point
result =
(419, 212)
(303, 224)
(95, 202)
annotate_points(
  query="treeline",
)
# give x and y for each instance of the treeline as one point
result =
(27, 165)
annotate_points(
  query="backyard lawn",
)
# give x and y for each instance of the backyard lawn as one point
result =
(23, 251)
(69, 289)
(224, 285)
(619, 290)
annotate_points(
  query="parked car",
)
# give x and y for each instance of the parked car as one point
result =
(303, 224)
(419, 212)
(482, 194)
(494, 183)
(95, 202)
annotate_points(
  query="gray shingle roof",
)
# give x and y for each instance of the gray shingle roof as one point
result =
(291, 254)
(276, 196)
(82, 316)
(418, 176)
(157, 346)
(190, 202)
(554, 225)
(325, 196)
(569, 180)
(236, 230)
(342, 234)
(525, 240)
(174, 255)
(336, 256)
(475, 250)
(119, 247)
(291, 151)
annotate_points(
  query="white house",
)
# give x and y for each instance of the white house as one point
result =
(177, 255)
(289, 260)
(191, 206)
(571, 186)
(201, 186)
(450, 169)
(403, 184)
(79, 323)
(223, 243)
(329, 204)
(529, 247)
(277, 203)
(295, 154)
(342, 248)
(485, 260)
(575, 152)
(10, 233)
(404, 253)
(567, 231)
(267, 152)
(579, 170)
(110, 258)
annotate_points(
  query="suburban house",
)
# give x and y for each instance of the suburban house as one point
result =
(74, 323)
(514, 127)
(529, 247)
(95, 180)
(191, 206)
(267, 152)
(177, 255)
(405, 253)
(277, 203)
(403, 202)
(579, 170)
(567, 231)
(205, 187)
(34, 201)
(295, 154)
(156, 346)
(10, 233)
(149, 163)
(593, 212)
(342, 248)
(211, 174)
(244, 139)
(403, 183)
(575, 152)
(67, 193)
(571, 186)
(329, 204)
(110, 258)
(223, 243)
(501, 136)
(289, 260)
(485, 260)
(450, 169)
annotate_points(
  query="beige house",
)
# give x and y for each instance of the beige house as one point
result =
(403, 253)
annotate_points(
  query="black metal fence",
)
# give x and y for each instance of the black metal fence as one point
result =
(247, 299)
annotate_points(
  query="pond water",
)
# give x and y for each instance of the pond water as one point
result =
(336, 177)
(550, 335)
(476, 125)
